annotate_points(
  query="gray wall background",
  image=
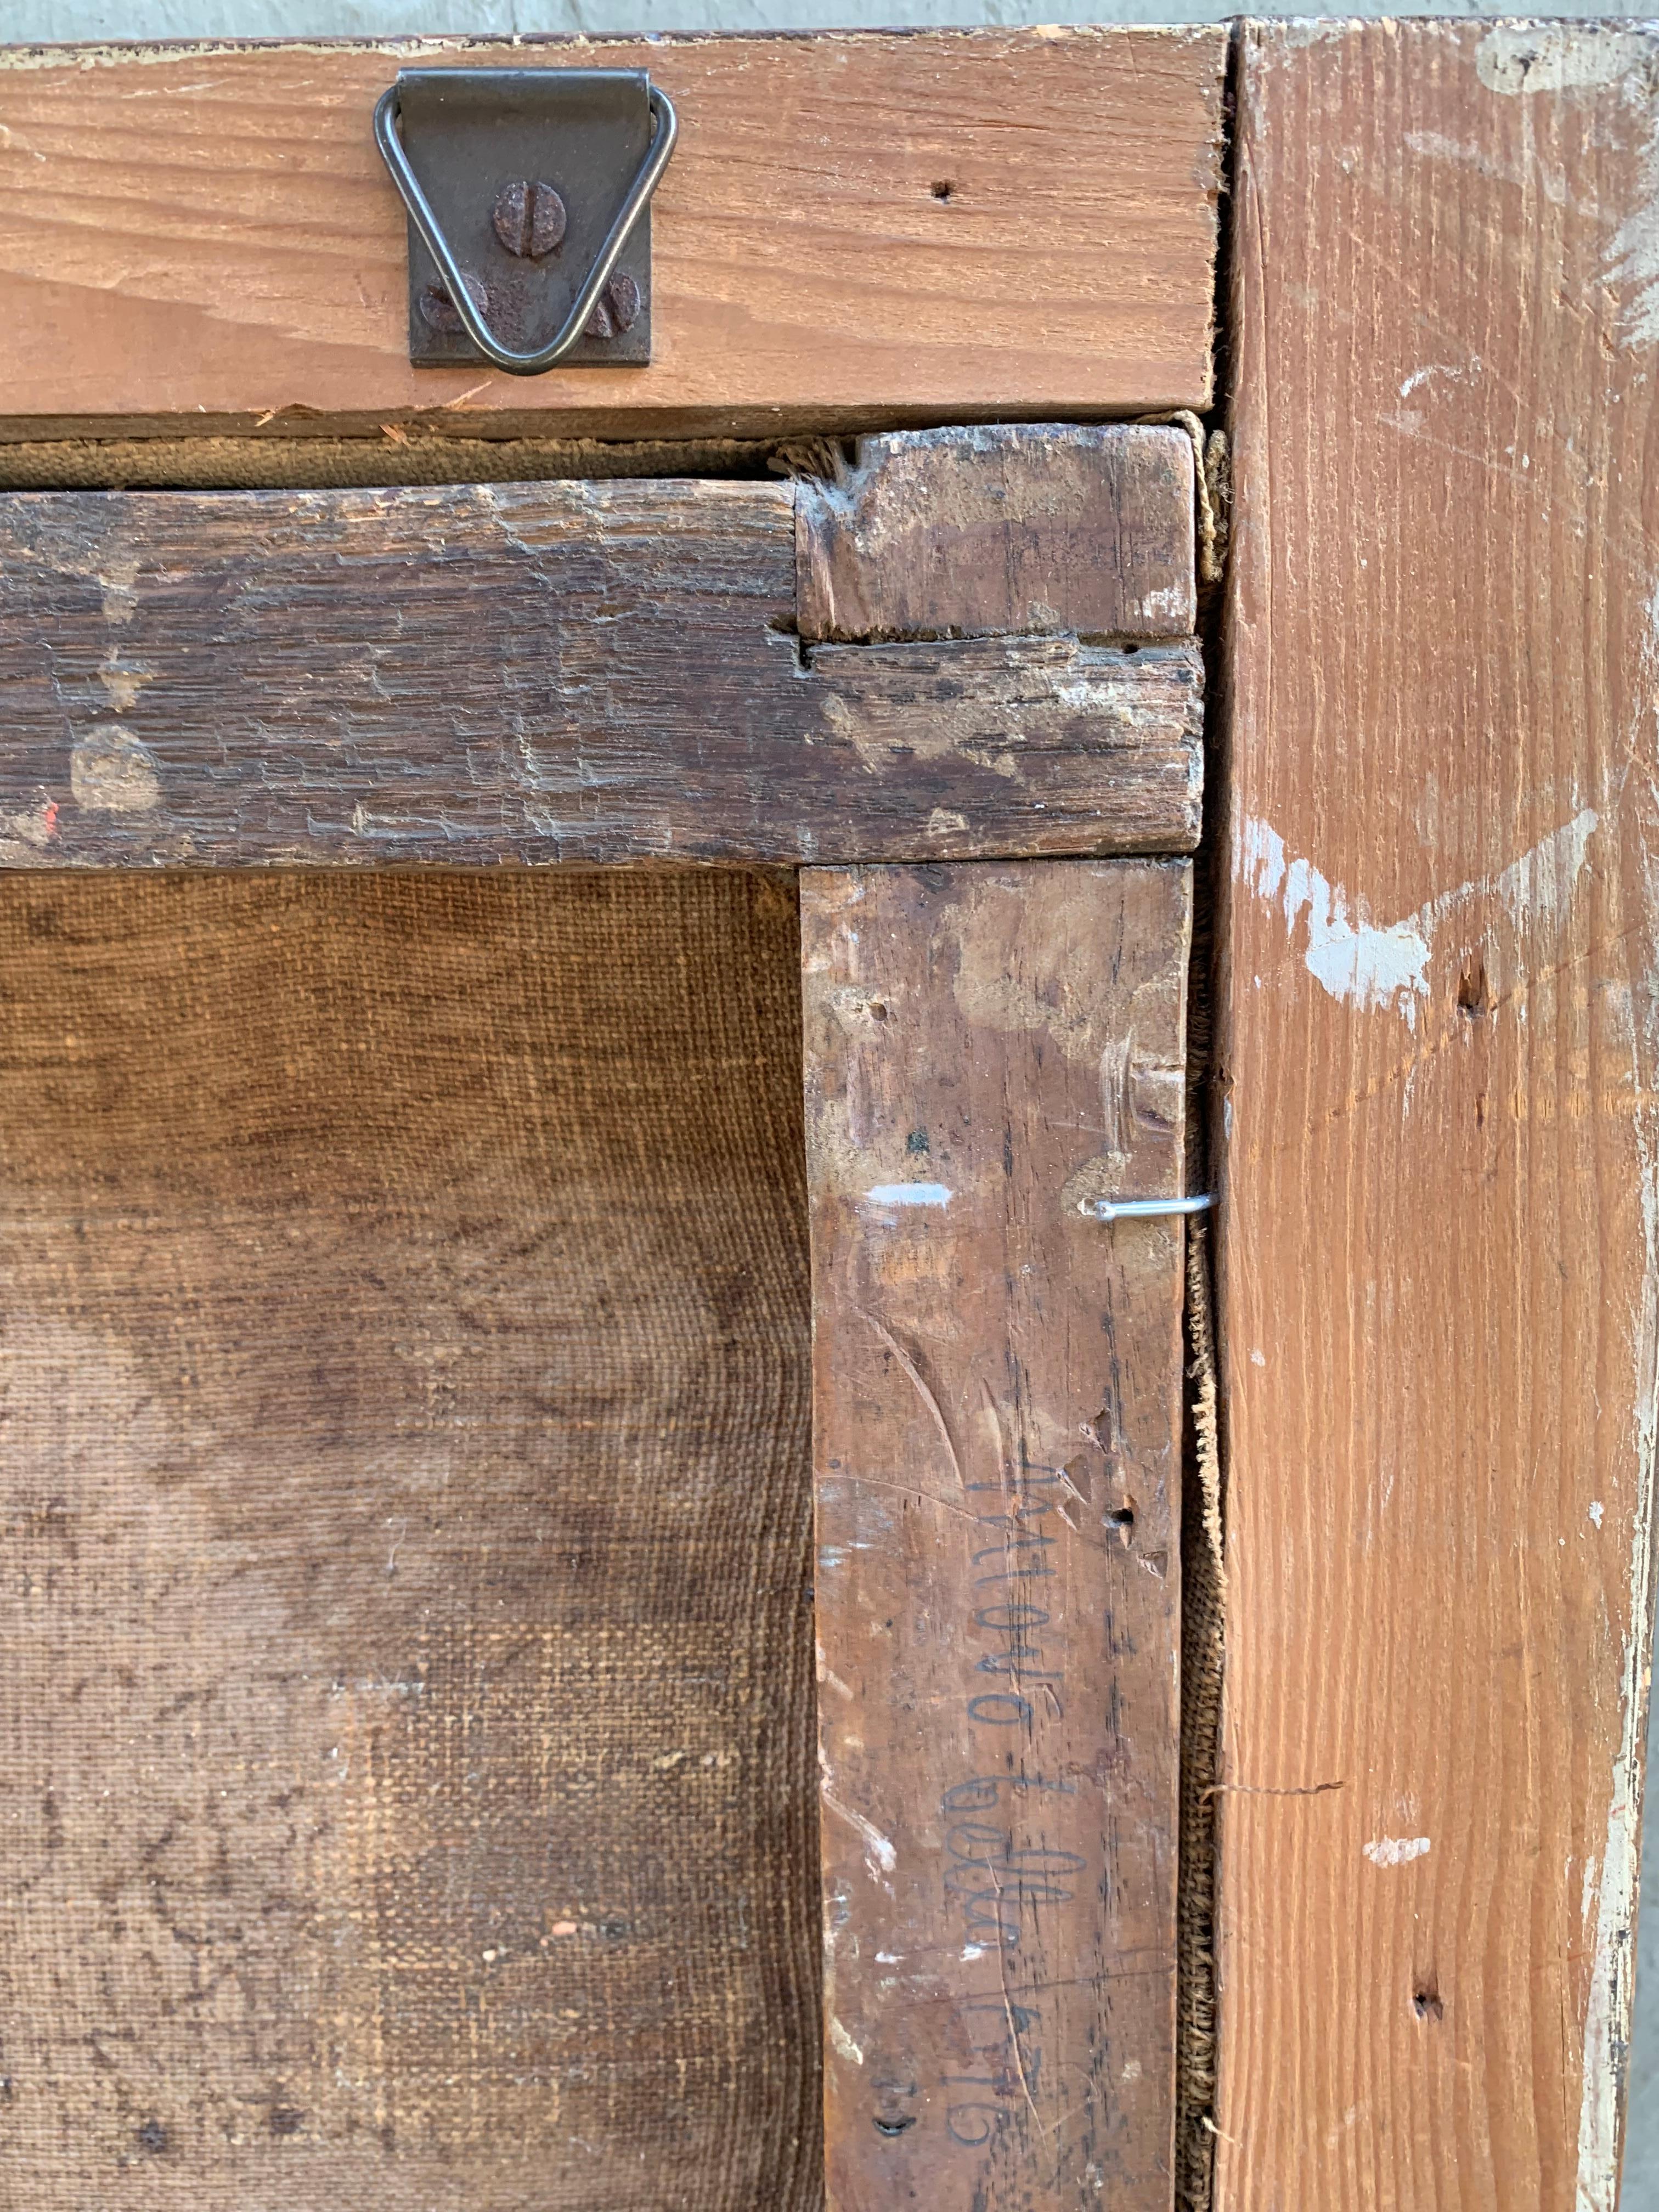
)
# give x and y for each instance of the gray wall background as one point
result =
(50, 21)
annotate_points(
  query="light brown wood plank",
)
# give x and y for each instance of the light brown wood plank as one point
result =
(1438, 1062)
(997, 1459)
(854, 229)
(1039, 527)
(535, 673)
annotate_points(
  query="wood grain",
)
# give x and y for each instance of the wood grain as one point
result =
(557, 672)
(855, 229)
(1439, 1069)
(407, 1680)
(996, 1445)
(1044, 528)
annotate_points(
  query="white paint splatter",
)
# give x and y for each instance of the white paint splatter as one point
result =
(112, 773)
(1570, 58)
(1367, 964)
(1596, 1511)
(844, 2042)
(910, 1193)
(1458, 372)
(1634, 262)
(1353, 959)
(33, 827)
(1172, 602)
(1515, 59)
(123, 681)
(1396, 1851)
(880, 1856)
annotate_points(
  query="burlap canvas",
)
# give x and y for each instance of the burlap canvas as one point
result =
(407, 1618)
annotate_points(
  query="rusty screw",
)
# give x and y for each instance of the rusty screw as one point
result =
(529, 219)
(617, 309)
(438, 309)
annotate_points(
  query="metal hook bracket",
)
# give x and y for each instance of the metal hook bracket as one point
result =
(529, 200)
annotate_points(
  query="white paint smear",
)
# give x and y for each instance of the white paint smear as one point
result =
(1397, 1851)
(910, 1193)
(111, 772)
(880, 1856)
(1367, 964)
(1559, 58)
(1354, 959)
(1633, 263)
(1456, 370)
(844, 2042)
(1540, 885)
(1607, 2021)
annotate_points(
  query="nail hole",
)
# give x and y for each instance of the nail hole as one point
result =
(1425, 2003)
(878, 1010)
(1120, 1516)
(896, 2127)
(1473, 996)
(942, 189)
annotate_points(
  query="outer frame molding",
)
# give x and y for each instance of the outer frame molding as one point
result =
(855, 228)
(1439, 1050)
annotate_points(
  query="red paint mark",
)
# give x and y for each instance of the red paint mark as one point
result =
(49, 819)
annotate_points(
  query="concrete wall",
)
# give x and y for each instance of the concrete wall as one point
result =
(54, 21)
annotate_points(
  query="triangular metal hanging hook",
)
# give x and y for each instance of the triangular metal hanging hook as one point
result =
(420, 214)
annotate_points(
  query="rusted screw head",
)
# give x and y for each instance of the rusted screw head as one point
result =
(529, 219)
(438, 309)
(617, 308)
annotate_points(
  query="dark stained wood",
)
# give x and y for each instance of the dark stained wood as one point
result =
(405, 1665)
(1046, 527)
(1440, 1061)
(996, 1445)
(854, 230)
(532, 672)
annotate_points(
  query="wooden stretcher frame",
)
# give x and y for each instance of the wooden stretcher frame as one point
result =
(951, 676)
(1434, 1065)
(994, 998)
